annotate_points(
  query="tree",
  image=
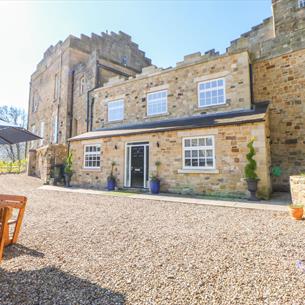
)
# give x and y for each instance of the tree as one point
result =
(14, 116)
(250, 169)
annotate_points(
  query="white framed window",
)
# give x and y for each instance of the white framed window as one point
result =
(56, 86)
(35, 102)
(212, 93)
(33, 130)
(199, 153)
(92, 156)
(82, 85)
(157, 102)
(301, 3)
(55, 128)
(41, 133)
(115, 110)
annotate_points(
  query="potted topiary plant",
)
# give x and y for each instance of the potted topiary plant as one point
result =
(296, 211)
(111, 178)
(250, 172)
(155, 180)
(68, 172)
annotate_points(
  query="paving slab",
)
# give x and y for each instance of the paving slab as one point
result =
(278, 204)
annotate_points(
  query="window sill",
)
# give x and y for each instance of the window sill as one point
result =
(156, 115)
(198, 171)
(114, 121)
(91, 169)
(211, 106)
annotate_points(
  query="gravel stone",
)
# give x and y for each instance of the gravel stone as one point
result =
(91, 249)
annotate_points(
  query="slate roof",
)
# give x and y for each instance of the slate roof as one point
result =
(237, 117)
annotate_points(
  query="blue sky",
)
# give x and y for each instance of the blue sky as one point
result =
(165, 30)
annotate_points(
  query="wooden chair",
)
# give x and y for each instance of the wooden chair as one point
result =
(7, 204)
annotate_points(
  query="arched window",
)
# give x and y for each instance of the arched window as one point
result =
(82, 85)
(35, 102)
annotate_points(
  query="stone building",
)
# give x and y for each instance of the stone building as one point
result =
(60, 103)
(195, 118)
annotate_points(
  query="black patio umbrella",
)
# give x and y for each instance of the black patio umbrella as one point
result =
(11, 134)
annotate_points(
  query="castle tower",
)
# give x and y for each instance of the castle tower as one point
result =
(288, 16)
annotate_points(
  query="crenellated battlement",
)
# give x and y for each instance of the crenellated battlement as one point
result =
(113, 46)
(197, 57)
(250, 40)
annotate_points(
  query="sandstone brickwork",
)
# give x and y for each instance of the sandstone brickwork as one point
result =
(181, 84)
(95, 59)
(281, 80)
(166, 147)
(44, 158)
(263, 64)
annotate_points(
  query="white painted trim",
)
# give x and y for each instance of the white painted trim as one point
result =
(127, 173)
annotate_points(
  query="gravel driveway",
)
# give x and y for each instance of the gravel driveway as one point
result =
(89, 249)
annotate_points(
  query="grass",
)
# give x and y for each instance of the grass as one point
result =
(17, 167)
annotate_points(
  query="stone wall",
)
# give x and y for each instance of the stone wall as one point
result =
(297, 186)
(182, 86)
(281, 81)
(282, 33)
(42, 159)
(288, 16)
(82, 56)
(95, 72)
(228, 179)
(253, 39)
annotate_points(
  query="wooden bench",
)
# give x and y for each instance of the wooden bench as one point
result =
(9, 203)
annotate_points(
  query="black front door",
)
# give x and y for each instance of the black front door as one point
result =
(137, 166)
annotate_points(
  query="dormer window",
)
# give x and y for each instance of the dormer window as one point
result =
(301, 3)
(82, 85)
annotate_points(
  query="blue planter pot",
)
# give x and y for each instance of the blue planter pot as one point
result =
(155, 186)
(111, 185)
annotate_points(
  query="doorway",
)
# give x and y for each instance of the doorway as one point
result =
(137, 165)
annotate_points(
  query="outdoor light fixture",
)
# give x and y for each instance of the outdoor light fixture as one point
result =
(158, 144)
(115, 146)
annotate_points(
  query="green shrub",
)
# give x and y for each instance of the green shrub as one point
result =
(68, 164)
(111, 177)
(250, 169)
